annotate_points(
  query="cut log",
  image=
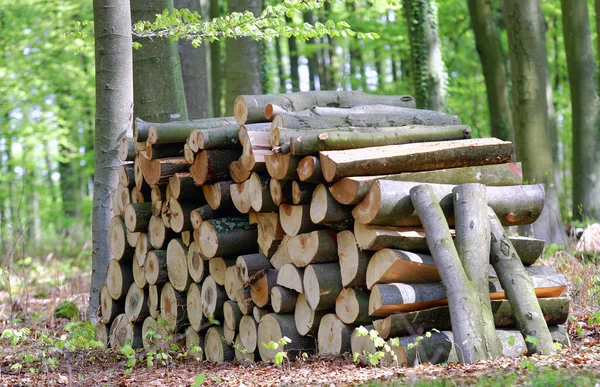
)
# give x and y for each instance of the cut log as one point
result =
(260, 289)
(241, 353)
(119, 247)
(282, 166)
(119, 278)
(307, 320)
(324, 208)
(386, 299)
(177, 265)
(322, 284)
(352, 307)
(414, 157)
(251, 266)
(173, 308)
(121, 193)
(244, 301)
(367, 116)
(281, 256)
(232, 315)
(183, 188)
(186, 238)
(200, 214)
(258, 313)
(217, 267)
(159, 235)
(213, 298)
(309, 170)
(228, 335)
(175, 131)
(142, 247)
(194, 306)
(158, 194)
(188, 154)
(240, 195)
(257, 108)
(194, 344)
(291, 277)
(109, 308)
(127, 149)
(302, 192)
(260, 194)
(227, 237)
(163, 151)
(123, 332)
(315, 142)
(126, 176)
(139, 277)
(254, 146)
(273, 327)
(519, 288)
(295, 220)
(132, 238)
(270, 232)
(218, 195)
(238, 173)
(154, 300)
(353, 261)
(315, 247)
(136, 304)
(387, 203)
(155, 268)
(216, 349)
(137, 170)
(232, 282)
(225, 137)
(281, 191)
(197, 265)
(180, 214)
(555, 310)
(388, 265)
(212, 166)
(249, 333)
(283, 300)
(137, 216)
(333, 336)
(101, 333)
(140, 195)
(159, 171)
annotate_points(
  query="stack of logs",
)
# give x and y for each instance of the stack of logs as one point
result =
(294, 219)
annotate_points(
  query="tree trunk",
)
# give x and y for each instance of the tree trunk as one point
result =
(585, 105)
(532, 137)
(426, 53)
(492, 60)
(216, 64)
(114, 98)
(293, 52)
(158, 84)
(242, 76)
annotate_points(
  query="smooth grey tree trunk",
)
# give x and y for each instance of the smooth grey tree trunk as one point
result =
(584, 107)
(216, 64)
(533, 139)
(491, 56)
(158, 85)
(114, 118)
(196, 67)
(242, 59)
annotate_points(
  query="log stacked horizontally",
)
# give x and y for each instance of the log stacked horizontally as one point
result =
(305, 216)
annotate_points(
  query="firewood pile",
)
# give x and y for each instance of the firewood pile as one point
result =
(309, 214)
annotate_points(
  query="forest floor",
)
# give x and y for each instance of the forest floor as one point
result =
(40, 355)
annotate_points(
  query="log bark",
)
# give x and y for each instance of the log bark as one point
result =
(259, 108)
(333, 337)
(119, 247)
(352, 306)
(463, 301)
(155, 267)
(273, 327)
(163, 151)
(193, 301)
(260, 194)
(160, 170)
(322, 284)
(173, 308)
(137, 216)
(217, 267)
(414, 157)
(281, 191)
(218, 195)
(353, 260)
(227, 237)
(291, 277)
(519, 289)
(283, 300)
(555, 310)
(302, 193)
(315, 247)
(109, 308)
(175, 131)
(251, 266)
(324, 208)
(232, 315)
(225, 137)
(205, 212)
(213, 298)
(309, 170)
(307, 320)
(177, 268)
(182, 187)
(388, 266)
(197, 265)
(296, 220)
(260, 289)
(316, 142)
(212, 166)
(136, 304)
(216, 348)
(388, 204)
(352, 190)
(119, 278)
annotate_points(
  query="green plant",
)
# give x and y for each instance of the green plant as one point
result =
(375, 358)
(67, 309)
(281, 355)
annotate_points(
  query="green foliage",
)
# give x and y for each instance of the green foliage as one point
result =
(281, 355)
(67, 309)
(375, 358)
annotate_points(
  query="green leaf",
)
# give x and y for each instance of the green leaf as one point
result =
(199, 380)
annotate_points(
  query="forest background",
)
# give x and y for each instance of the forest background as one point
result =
(47, 104)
